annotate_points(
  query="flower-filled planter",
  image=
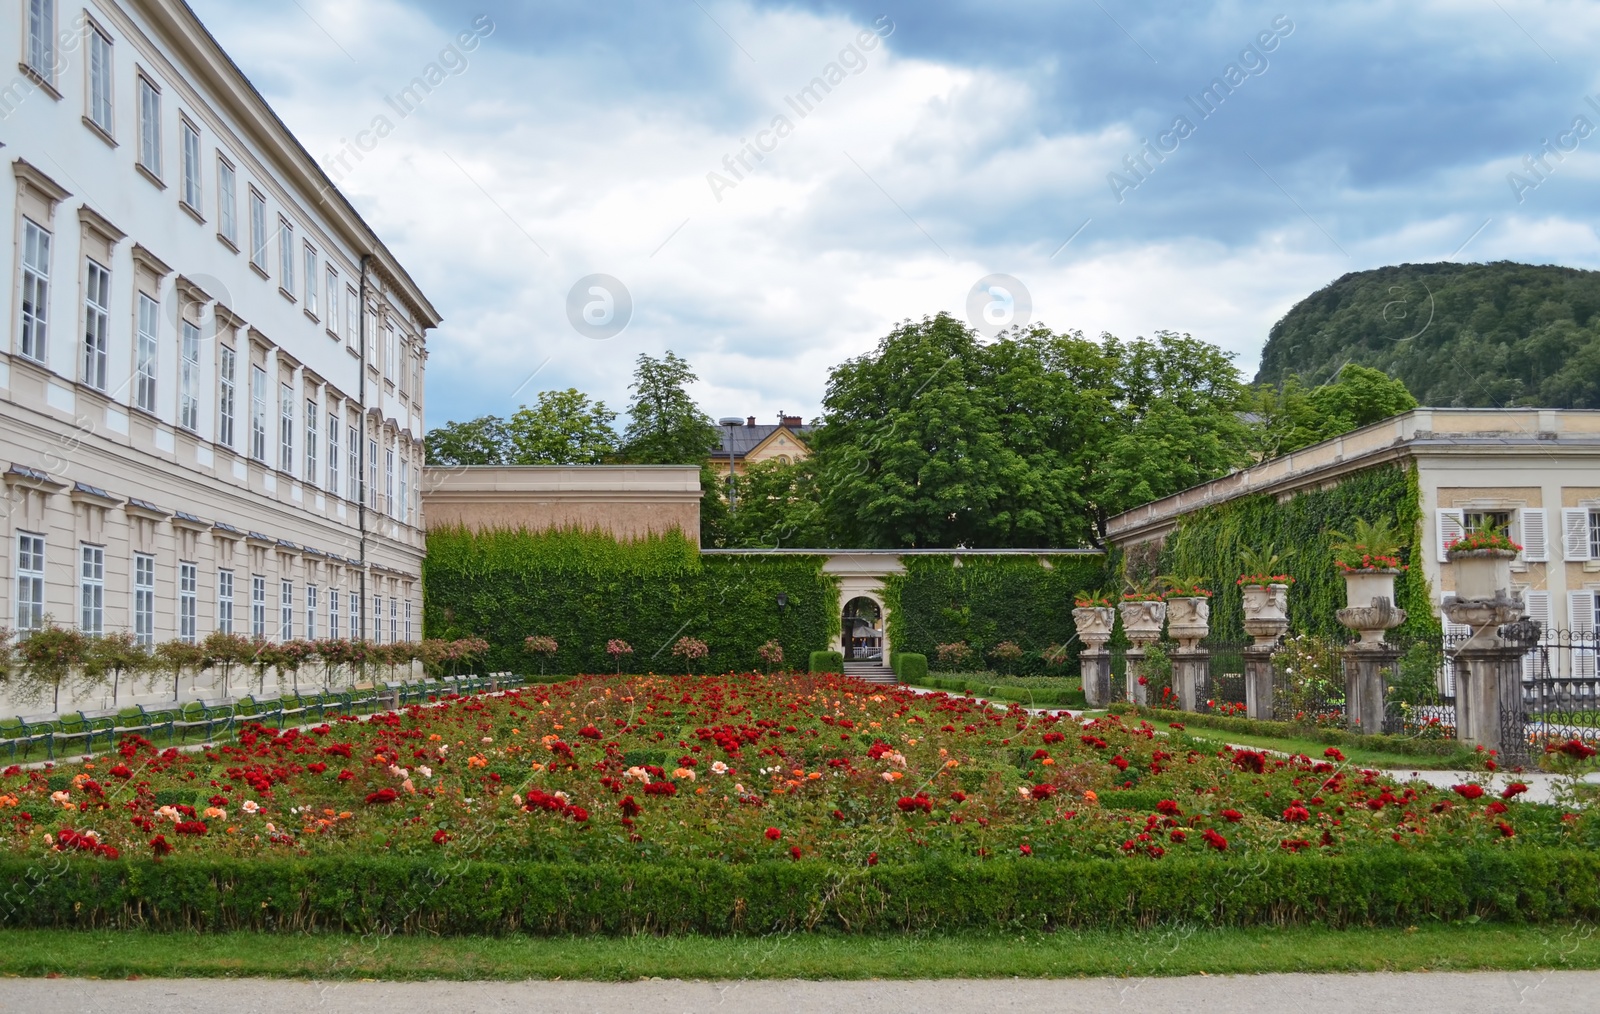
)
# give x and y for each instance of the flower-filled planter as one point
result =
(1142, 618)
(1266, 606)
(1364, 587)
(1189, 619)
(1094, 625)
(1480, 572)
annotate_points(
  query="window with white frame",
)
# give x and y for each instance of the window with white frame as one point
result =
(333, 299)
(353, 494)
(96, 323)
(372, 474)
(350, 309)
(258, 605)
(1580, 534)
(311, 612)
(394, 620)
(191, 166)
(189, 376)
(285, 255)
(258, 414)
(286, 428)
(377, 619)
(227, 363)
(30, 582)
(408, 619)
(370, 322)
(188, 600)
(258, 230)
(225, 601)
(149, 126)
(313, 414)
(144, 599)
(227, 201)
(35, 290)
(333, 612)
(355, 616)
(144, 354)
(101, 76)
(388, 483)
(333, 453)
(286, 611)
(402, 370)
(309, 254)
(405, 493)
(391, 352)
(42, 38)
(92, 589)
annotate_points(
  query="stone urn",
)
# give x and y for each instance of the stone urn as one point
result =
(1142, 620)
(1365, 587)
(1480, 573)
(1189, 620)
(1094, 625)
(1370, 621)
(1266, 611)
(1484, 615)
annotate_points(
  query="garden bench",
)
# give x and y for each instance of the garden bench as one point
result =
(25, 731)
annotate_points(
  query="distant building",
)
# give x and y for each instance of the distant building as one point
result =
(750, 443)
(626, 501)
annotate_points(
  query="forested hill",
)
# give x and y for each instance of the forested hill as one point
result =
(1456, 334)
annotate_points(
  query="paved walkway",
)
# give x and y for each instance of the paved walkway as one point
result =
(1434, 991)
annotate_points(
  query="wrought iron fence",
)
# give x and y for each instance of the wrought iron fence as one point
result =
(1561, 687)
(1421, 687)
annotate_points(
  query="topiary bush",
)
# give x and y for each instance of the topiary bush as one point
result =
(911, 666)
(826, 661)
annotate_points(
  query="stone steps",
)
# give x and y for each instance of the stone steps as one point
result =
(871, 672)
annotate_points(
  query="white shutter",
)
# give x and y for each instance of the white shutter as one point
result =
(1538, 607)
(1450, 527)
(1575, 533)
(1581, 604)
(1535, 543)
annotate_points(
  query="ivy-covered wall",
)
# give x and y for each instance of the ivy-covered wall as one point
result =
(1207, 543)
(585, 588)
(989, 599)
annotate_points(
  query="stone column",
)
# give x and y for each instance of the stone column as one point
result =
(1188, 623)
(1191, 677)
(1489, 688)
(1366, 665)
(1096, 668)
(1258, 679)
(1142, 619)
(1266, 619)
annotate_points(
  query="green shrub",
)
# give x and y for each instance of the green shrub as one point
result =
(1333, 737)
(826, 661)
(910, 666)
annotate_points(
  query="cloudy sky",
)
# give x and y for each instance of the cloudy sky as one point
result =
(956, 140)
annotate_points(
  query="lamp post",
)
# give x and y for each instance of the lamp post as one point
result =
(783, 602)
(730, 422)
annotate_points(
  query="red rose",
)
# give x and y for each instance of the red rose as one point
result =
(159, 845)
(1026, 850)
(1513, 790)
(382, 796)
(440, 837)
(1468, 791)
(1232, 816)
(773, 834)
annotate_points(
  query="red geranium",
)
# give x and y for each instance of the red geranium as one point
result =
(382, 796)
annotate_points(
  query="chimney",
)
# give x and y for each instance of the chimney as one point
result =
(791, 421)
(751, 421)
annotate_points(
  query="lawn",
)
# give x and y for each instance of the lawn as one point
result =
(1360, 756)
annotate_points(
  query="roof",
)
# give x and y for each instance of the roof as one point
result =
(745, 439)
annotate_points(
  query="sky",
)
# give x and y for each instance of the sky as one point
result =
(1129, 167)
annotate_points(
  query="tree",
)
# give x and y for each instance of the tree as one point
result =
(1293, 417)
(779, 506)
(665, 426)
(562, 428)
(482, 441)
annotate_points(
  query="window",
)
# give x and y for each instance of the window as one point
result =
(388, 483)
(225, 601)
(311, 612)
(144, 599)
(258, 605)
(35, 290)
(225, 396)
(286, 428)
(309, 256)
(227, 222)
(370, 321)
(258, 413)
(1594, 536)
(405, 494)
(350, 298)
(353, 494)
(149, 127)
(372, 474)
(1477, 521)
(144, 355)
(96, 324)
(416, 373)
(333, 300)
(189, 376)
(191, 166)
(258, 231)
(394, 620)
(30, 582)
(188, 600)
(377, 619)
(100, 78)
(355, 616)
(391, 352)
(333, 612)
(408, 619)
(313, 413)
(92, 589)
(333, 454)
(286, 611)
(286, 256)
(42, 37)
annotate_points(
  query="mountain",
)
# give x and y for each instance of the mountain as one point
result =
(1477, 335)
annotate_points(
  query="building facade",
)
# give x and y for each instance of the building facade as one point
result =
(625, 501)
(751, 443)
(212, 369)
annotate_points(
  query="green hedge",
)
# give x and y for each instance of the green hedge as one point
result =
(1381, 887)
(1332, 737)
(989, 599)
(1009, 691)
(910, 666)
(585, 588)
(1207, 544)
(826, 661)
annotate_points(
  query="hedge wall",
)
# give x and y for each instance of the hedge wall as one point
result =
(986, 600)
(1207, 543)
(1379, 887)
(585, 588)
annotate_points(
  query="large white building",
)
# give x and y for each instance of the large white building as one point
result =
(212, 371)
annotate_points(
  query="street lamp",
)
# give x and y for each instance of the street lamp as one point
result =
(730, 422)
(783, 602)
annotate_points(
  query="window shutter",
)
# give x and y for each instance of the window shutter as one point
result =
(1581, 604)
(1538, 608)
(1450, 528)
(1575, 533)
(1535, 543)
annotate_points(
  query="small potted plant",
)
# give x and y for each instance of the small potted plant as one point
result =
(1481, 561)
(1095, 615)
(1265, 588)
(1188, 610)
(1144, 610)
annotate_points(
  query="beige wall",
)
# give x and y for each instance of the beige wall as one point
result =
(628, 501)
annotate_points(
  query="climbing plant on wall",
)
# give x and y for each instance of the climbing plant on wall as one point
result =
(1209, 541)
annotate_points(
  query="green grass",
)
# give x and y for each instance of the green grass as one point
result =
(1162, 951)
(1359, 756)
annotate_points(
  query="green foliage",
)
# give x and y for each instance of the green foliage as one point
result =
(987, 600)
(1454, 334)
(480, 441)
(1410, 745)
(1214, 541)
(665, 426)
(779, 506)
(561, 428)
(1294, 416)
(586, 588)
(910, 666)
(826, 661)
(1369, 542)
(1380, 886)
(1313, 668)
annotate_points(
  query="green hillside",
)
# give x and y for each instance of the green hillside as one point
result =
(1457, 334)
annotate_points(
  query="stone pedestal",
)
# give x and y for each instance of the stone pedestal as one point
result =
(1258, 680)
(1489, 670)
(1096, 668)
(1134, 691)
(1191, 677)
(1367, 665)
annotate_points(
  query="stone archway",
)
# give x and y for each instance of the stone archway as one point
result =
(862, 628)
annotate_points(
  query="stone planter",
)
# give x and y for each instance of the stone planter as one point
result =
(1189, 620)
(1094, 625)
(1266, 611)
(1365, 587)
(1481, 573)
(1142, 621)
(1371, 609)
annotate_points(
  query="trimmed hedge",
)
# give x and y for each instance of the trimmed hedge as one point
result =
(826, 661)
(910, 666)
(1002, 691)
(1376, 888)
(1333, 737)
